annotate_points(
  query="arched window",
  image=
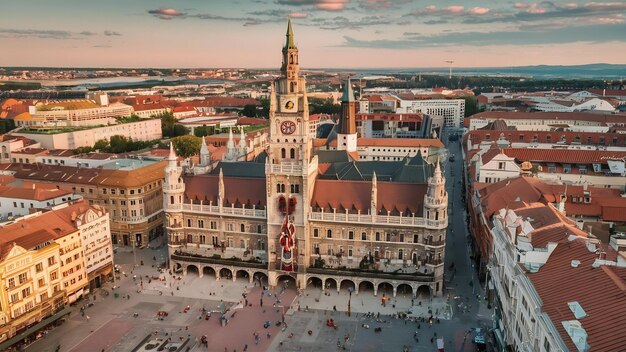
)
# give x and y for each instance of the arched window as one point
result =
(243, 228)
(283, 153)
(282, 188)
(292, 153)
(291, 59)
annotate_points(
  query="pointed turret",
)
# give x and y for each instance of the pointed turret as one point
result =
(172, 156)
(436, 198)
(231, 141)
(289, 43)
(242, 139)
(205, 156)
(290, 67)
(374, 195)
(231, 152)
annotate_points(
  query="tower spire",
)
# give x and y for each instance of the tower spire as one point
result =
(289, 43)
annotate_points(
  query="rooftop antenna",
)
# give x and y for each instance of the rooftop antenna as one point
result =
(450, 62)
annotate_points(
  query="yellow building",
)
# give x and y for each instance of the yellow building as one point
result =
(42, 268)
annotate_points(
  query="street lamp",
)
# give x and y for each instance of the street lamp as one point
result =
(350, 289)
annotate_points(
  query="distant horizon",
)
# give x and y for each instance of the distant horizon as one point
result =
(277, 68)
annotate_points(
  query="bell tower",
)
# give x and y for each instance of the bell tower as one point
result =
(291, 169)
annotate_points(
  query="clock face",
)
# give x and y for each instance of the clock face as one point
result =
(288, 127)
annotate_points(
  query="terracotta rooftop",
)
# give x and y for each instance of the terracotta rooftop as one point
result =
(601, 292)
(564, 156)
(32, 193)
(238, 190)
(513, 136)
(356, 195)
(97, 177)
(32, 231)
(577, 116)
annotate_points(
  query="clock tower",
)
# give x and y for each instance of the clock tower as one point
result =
(290, 170)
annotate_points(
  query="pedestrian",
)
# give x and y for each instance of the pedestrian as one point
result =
(245, 348)
(261, 302)
(269, 335)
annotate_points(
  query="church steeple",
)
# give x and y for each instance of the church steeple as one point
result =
(289, 44)
(290, 67)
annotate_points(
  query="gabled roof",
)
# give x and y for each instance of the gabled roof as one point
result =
(39, 194)
(238, 190)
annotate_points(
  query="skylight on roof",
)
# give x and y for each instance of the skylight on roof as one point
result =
(577, 309)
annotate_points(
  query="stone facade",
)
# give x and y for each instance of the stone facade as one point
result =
(269, 222)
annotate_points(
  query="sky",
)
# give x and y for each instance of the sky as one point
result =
(329, 33)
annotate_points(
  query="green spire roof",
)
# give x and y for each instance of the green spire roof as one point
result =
(348, 94)
(289, 44)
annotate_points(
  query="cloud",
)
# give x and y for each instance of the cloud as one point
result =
(102, 46)
(111, 33)
(325, 5)
(449, 11)
(413, 40)
(341, 22)
(298, 15)
(87, 33)
(166, 13)
(38, 33)
(383, 4)
(584, 14)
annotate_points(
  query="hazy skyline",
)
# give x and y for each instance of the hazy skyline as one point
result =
(329, 33)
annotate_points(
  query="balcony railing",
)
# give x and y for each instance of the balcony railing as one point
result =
(288, 168)
(231, 211)
(185, 257)
(378, 219)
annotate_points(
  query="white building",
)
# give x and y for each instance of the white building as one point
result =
(452, 110)
(146, 130)
(20, 201)
(492, 165)
(545, 274)
(93, 223)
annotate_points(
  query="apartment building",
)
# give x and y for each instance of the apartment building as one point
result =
(129, 189)
(43, 266)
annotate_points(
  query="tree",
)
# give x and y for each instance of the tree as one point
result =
(323, 106)
(83, 150)
(187, 146)
(471, 105)
(264, 110)
(169, 127)
(249, 110)
(101, 145)
(203, 131)
(120, 144)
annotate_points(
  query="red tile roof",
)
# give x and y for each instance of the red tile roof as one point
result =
(601, 292)
(244, 121)
(238, 190)
(351, 195)
(32, 193)
(35, 230)
(585, 138)
(619, 119)
(564, 156)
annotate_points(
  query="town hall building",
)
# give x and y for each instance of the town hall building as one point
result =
(315, 217)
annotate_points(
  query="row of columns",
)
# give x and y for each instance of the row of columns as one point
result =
(374, 284)
(324, 280)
